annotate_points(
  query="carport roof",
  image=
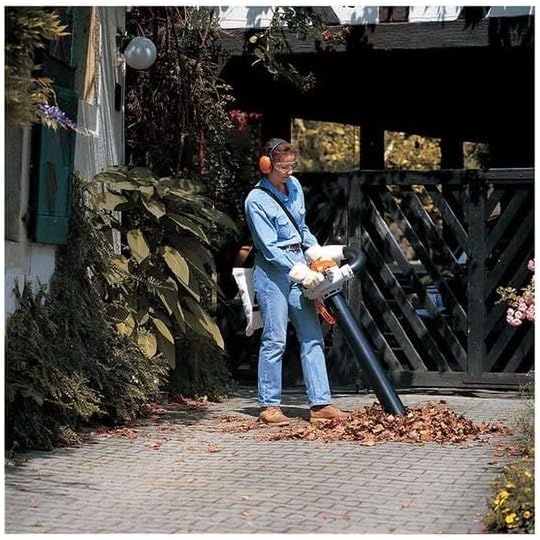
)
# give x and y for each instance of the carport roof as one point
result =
(248, 17)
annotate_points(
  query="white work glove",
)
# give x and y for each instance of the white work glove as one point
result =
(301, 273)
(313, 253)
(326, 253)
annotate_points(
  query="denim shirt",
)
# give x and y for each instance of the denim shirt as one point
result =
(271, 228)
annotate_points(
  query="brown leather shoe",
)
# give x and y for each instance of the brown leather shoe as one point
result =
(321, 413)
(273, 416)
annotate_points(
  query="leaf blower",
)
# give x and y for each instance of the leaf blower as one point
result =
(330, 303)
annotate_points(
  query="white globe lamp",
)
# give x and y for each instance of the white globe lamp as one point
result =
(140, 53)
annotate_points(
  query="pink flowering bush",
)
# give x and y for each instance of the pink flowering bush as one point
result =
(242, 118)
(521, 307)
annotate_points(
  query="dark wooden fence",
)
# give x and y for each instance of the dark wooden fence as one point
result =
(438, 245)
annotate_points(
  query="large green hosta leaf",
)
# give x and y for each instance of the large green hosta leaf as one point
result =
(188, 186)
(126, 185)
(193, 291)
(110, 201)
(112, 174)
(143, 175)
(184, 197)
(147, 342)
(184, 223)
(201, 319)
(155, 207)
(147, 192)
(196, 255)
(194, 252)
(161, 283)
(198, 258)
(169, 298)
(127, 326)
(176, 263)
(195, 324)
(143, 315)
(216, 216)
(165, 339)
(203, 221)
(138, 245)
(202, 276)
(138, 179)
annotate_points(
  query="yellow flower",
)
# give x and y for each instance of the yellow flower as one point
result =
(510, 518)
(527, 514)
(527, 474)
(510, 485)
(501, 497)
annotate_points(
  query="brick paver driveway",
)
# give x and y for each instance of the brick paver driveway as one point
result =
(183, 474)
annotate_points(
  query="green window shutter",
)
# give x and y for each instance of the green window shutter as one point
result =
(52, 195)
(53, 151)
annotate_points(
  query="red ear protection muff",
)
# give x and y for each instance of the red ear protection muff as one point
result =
(266, 161)
(265, 164)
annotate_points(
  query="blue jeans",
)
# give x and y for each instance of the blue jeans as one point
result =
(279, 300)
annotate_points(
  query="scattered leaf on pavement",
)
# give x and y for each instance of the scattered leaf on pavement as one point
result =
(213, 448)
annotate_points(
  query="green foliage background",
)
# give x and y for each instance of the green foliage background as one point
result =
(164, 275)
(180, 128)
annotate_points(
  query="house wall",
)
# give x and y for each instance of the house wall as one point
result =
(23, 260)
(103, 144)
(100, 143)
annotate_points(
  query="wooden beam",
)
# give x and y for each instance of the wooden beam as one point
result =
(514, 32)
(456, 379)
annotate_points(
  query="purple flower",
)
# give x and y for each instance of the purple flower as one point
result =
(52, 112)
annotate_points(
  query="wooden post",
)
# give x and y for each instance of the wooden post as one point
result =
(476, 301)
(451, 153)
(371, 147)
(371, 158)
(353, 290)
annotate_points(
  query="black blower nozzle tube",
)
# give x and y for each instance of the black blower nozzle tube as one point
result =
(375, 375)
(355, 258)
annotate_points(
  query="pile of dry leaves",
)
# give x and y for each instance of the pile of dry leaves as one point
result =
(432, 422)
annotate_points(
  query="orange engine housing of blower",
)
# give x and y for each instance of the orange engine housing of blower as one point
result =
(320, 266)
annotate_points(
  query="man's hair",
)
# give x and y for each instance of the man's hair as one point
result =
(280, 149)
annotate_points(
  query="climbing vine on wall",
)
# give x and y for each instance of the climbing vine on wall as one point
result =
(30, 97)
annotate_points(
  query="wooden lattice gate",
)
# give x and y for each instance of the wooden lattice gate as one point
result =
(438, 245)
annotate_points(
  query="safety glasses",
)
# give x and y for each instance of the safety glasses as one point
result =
(284, 167)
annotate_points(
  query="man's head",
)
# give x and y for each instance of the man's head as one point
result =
(278, 155)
